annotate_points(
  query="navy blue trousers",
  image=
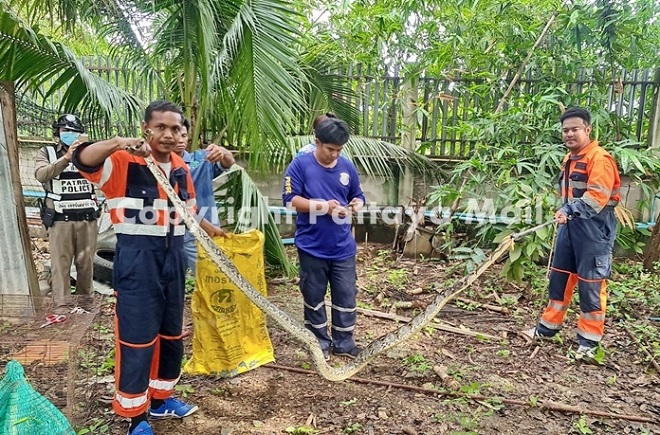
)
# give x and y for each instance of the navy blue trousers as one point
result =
(315, 275)
(149, 280)
(583, 257)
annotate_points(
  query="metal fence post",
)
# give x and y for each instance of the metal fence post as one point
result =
(654, 121)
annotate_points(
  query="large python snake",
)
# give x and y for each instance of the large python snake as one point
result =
(294, 328)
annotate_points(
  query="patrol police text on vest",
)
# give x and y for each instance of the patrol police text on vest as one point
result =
(79, 185)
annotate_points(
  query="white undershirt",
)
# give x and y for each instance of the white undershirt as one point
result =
(166, 167)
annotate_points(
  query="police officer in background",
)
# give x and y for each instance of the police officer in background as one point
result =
(69, 211)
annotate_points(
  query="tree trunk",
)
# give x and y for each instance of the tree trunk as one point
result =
(408, 138)
(652, 253)
(18, 274)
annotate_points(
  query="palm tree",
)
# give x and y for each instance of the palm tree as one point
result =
(233, 66)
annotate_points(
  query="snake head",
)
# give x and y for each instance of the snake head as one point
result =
(147, 136)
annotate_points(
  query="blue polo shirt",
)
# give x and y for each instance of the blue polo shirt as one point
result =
(320, 235)
(203, 172)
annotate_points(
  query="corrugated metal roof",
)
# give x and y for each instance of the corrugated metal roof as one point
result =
(13, 269)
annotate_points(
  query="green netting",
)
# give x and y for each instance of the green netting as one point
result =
(23, 411)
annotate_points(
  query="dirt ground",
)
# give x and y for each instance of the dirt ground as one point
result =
(272, 400)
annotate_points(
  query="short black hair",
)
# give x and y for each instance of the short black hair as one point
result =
(332, 131)
(321, 117)
(162, 106)
(186, 123)
(577, 112)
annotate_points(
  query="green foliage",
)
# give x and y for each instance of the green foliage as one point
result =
(456, 35)
(508, 186)
(184, 390)
(398, 278)
(350, 402)
(30, 59)
(632, 291)
(190, 284)
(417, 363)
(243, 206)
(648, 335)
(581, 426)
(95, 426)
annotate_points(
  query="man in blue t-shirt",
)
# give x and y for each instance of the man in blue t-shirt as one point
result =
(325, 191)
(204, 166)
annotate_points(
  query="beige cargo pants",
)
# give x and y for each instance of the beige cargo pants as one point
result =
(72, 241)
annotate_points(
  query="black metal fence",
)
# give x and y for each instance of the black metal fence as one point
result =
(444, 104)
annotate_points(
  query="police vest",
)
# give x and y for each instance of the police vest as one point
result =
(70, 191)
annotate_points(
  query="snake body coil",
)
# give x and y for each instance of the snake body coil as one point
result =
(294, 328)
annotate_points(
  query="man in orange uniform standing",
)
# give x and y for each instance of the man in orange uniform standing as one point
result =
(589, 185)
(150, 265)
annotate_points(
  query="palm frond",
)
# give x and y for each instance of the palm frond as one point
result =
(188, 38)
(264, 81)
(244, 208)
(31, 60)
(118, 22)
(330, 92)
(374, 156)
(65, 11)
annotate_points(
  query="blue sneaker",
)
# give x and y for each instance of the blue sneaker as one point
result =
(142, 429)
(172, 408)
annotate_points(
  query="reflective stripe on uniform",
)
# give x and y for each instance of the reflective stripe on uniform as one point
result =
(343, 329)
(159, 384)
(52, 155)
(160, 204)
(591, 202)
(601, 189)
(596, 317)
(316, 308)
(125, 202)
(131, 402)
(550, 324)
(344, 310)
(105, 172)
(577, 184)
(316, 326)
(557, 305)
(589, 335)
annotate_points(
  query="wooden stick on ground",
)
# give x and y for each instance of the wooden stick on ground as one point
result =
(641, 346)
(548, 406)
(536, 350)
(448, 381)
(438, 326)
(503, 310)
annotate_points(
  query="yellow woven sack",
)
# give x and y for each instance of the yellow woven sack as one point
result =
(230, 331)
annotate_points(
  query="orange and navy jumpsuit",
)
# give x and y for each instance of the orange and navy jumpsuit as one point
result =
(589, 185)
(148, 276)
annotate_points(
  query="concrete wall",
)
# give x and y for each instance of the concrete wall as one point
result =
(381, 190)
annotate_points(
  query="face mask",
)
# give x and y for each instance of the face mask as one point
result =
(69, 137)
